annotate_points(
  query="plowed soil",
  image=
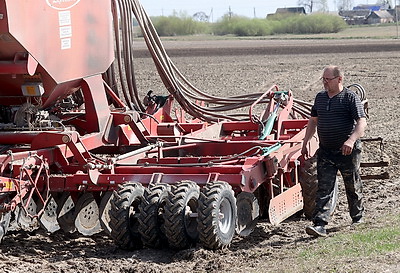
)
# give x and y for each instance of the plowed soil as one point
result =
(240, 67)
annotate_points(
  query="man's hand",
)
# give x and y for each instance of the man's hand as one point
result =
(304, 152)
(358, 132)
(347, 147)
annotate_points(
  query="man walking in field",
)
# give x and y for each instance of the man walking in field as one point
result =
(340, 121)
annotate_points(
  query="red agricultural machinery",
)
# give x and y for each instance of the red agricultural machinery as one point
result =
(80, 151)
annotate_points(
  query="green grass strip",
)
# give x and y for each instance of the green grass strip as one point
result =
(365, 241)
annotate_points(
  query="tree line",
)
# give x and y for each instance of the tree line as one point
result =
(182, 24)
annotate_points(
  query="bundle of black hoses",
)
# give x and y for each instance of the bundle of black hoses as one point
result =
(212, 108)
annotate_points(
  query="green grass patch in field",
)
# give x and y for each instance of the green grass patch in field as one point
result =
(365, 241)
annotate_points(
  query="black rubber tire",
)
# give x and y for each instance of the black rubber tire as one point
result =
(263, 197)
(217, 199)
(151, 219)
(124, 216)
(309, 185)
(180, 227)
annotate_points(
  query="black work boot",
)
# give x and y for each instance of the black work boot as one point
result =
(316, 231)
(357, 221)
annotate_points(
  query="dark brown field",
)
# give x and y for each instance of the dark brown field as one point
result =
(240, 67)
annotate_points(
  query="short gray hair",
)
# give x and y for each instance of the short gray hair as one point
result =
(336, 71)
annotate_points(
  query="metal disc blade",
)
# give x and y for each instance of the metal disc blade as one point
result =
(14, 226)
(105, 207)
(24, 219)
(4, 223)
(66, 213)
(87, 215)
(49, 217)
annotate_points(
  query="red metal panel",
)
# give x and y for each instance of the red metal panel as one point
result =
(70, 39)
(183, 170)
(285, 204)
(80, 182)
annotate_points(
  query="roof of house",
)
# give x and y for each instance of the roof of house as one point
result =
(384, 14)
(291, 10)
(368, 7)
(355, 13)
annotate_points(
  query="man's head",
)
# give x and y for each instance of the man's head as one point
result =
(332, 79)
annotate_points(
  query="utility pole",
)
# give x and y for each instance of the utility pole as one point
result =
(397, 18)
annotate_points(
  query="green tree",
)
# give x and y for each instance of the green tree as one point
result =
(307, 4)
(322, 6)
(345, 4)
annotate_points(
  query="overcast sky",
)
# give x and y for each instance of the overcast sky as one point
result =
(217, 8)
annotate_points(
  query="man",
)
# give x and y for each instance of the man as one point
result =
(340, 121)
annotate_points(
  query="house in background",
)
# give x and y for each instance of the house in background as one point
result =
(355, 17)
(292, 10)
(380, 17)
(288, 11)
(359, 15)
(367, 14)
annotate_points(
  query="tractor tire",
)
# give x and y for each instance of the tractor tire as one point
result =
(263, 197)
(217, 214)
(124, 216)
(179, 222)
(151, 220)
(309, 184)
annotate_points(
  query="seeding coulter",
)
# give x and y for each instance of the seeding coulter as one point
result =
(82, 152)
